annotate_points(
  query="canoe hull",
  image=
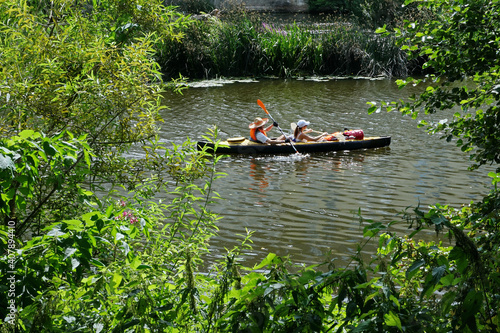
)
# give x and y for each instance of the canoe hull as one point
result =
(248, 147)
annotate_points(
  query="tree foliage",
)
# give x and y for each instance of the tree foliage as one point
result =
(127, 263)
(461, 47)
(36, 171)
(133, 263)
(85, 68)
(368, 13)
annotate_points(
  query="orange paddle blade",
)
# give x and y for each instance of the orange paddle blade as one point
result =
(262, 105)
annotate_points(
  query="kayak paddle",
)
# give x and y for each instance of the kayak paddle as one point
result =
(274, 121)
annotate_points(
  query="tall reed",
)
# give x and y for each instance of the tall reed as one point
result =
(253, 47)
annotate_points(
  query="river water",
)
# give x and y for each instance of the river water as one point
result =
(307, 207)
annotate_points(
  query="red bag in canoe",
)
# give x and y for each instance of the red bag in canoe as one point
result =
(354, 134)
(348, 135)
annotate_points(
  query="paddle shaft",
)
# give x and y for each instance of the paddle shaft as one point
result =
(274, 121)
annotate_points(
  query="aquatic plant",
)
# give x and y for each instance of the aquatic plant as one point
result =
(252, 47)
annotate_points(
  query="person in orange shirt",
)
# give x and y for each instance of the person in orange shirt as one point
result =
(259, 134)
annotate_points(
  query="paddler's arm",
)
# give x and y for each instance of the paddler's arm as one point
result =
(276, 141)
(271, 126)
(266, 140)
(305, 137)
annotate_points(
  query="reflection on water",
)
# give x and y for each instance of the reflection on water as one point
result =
(307, 206)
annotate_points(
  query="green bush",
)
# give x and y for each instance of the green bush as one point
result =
(370, 14)
(249, 47)
(131, 262)
(191, 6)
(126, 263)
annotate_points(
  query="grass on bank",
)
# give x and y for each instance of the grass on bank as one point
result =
(259, 46)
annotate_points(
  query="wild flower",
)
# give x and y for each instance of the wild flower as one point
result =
(126, 215)
(273, 29)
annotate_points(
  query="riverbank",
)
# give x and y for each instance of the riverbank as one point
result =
(256, 45)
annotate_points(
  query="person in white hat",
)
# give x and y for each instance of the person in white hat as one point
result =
(301, 130)
(259, 134)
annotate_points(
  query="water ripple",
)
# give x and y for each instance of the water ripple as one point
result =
(306, 206)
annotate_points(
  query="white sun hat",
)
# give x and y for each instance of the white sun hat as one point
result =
(301, 123)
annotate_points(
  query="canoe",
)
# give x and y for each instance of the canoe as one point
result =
(247, 147)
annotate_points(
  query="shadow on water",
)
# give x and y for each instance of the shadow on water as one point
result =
(307, 206)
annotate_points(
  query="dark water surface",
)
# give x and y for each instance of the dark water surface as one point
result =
(307, 207)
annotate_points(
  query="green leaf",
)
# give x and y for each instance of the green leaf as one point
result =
(49, 149)
(56, 232)
(6, 163)
(437, 274)
(448, 280)
(447, 300)
(472, 303)
(433, 279)
(142, 266)
(373, 229)
(413, 269)
(373, 109)
(130, 323)
(116, 280)
(69, 252)
(395, 300)
(97, 263)
(118, 237)
(363, 326)
(135, 263)
(392, 320)
(371, 296)
(75, 225)
(74, 263)
(495, 176)
(307, 276)
(132, 284)
(27, 134)
(109, 211)
(102, 239)
(460, 258)
(270, 259)
(86, 156)
(366, 284)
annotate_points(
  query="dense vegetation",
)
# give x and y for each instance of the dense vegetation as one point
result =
(250, 48)
(233, 42)
(368, 13)
(79, 86)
